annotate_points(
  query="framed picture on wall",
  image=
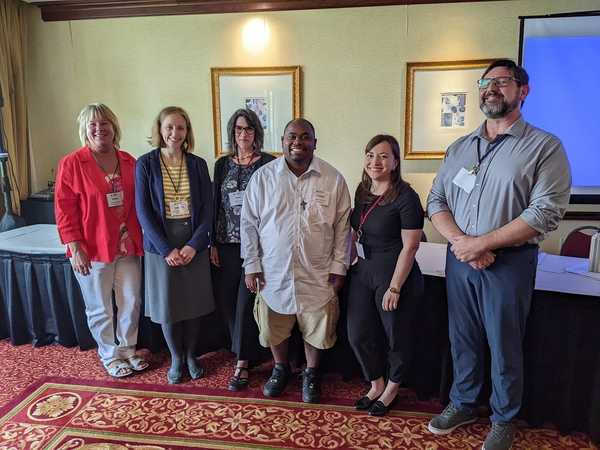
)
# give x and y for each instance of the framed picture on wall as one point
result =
(442, 104)
(273, 93)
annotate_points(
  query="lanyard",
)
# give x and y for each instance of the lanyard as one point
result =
(364, 215)
(169, 173)
(111, 178)
(475, 167)
(241, 167)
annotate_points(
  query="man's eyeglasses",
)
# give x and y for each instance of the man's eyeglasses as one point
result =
(240, 130)
(484, 83)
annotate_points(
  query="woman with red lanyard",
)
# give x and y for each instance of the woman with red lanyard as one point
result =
(96, 219)
(386, 283)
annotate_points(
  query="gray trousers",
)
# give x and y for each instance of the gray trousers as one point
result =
(490, 307)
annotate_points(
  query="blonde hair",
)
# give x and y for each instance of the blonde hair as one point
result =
(97, 110)
(157, 140)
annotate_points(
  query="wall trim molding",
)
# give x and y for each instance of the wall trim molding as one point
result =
(105, 9)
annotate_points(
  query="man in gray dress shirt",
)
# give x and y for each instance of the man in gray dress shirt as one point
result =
(499, 191)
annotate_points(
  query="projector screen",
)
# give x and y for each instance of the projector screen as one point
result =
(561, 53)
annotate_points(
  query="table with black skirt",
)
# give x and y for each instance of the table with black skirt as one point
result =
(41, 302)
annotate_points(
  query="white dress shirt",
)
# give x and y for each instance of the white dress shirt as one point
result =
(296, 231)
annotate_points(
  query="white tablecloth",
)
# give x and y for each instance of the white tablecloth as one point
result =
(32, 240)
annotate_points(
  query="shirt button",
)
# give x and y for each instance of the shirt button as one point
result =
(474, 206)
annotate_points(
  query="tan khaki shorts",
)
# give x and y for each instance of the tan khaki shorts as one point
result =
(317, 327)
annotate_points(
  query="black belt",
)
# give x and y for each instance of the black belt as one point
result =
(518, 248)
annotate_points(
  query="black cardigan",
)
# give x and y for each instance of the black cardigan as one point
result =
(218, 176)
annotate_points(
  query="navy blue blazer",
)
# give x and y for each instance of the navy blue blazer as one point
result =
(150, 202)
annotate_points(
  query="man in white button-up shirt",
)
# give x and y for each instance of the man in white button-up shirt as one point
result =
(294, 234)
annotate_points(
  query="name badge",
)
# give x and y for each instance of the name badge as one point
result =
(360, 250)
(179, 208)
(465, 180)
(322, 198)
(236, 198)
(114, 199)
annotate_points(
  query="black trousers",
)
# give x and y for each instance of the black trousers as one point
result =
(235, 303)
(382, 341)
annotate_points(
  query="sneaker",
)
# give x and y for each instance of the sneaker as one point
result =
(311, 386)
(277, 382)
(500, 437)
(450, 419)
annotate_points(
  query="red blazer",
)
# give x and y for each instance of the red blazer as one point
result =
(81, 209)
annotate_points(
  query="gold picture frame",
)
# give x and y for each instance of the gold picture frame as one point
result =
(442, 104)
(272, 92)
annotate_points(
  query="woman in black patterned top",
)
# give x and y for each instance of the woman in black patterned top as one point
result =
(231, 175)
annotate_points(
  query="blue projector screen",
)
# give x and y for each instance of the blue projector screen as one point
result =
(562, 57)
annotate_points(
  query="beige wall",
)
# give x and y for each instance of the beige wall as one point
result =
(353, 63)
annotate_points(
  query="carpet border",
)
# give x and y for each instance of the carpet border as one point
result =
(52, 443)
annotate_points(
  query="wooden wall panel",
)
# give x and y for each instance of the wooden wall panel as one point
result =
(103, 9)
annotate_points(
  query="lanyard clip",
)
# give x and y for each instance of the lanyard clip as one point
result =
(474, 169)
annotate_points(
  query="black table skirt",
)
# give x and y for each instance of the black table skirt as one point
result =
(42, 304)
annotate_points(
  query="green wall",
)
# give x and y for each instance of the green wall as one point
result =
(353, 64)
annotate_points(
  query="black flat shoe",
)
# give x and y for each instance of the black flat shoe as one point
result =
(196, 371)
(378, 409)
(237, 382)
(174, 375)
(364, 403)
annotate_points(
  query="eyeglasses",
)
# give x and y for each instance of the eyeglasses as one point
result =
(240, 130)
(484, 83)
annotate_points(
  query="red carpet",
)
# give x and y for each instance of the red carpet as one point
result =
(83, 410)
(61, 414)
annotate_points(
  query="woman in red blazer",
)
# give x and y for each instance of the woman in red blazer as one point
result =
(96, 219)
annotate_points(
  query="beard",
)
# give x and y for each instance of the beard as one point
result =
(499, 109)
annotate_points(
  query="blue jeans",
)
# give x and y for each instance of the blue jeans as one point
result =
(490, 307)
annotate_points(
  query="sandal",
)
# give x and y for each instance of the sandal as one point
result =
(118, 368)
(238, 382)
(138, 363)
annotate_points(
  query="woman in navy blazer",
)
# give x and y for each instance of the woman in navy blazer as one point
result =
(174, 206)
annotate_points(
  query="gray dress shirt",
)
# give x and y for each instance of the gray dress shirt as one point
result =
(523, 173)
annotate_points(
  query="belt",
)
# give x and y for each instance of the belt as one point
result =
(518, 248)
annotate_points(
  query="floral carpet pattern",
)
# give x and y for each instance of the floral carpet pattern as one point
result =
(54, 397)
(67, 414)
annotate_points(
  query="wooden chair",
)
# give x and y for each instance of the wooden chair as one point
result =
(578, 241)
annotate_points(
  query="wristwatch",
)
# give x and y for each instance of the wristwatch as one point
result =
(393, 290)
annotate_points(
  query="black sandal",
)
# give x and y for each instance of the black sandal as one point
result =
(237, 382)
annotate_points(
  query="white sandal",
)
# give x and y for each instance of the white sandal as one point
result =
(137, 363)
(118, 368)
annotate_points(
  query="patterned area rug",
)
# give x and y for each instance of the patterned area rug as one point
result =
(65, 414)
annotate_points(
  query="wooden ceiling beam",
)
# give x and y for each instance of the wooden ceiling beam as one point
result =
(104, 9)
